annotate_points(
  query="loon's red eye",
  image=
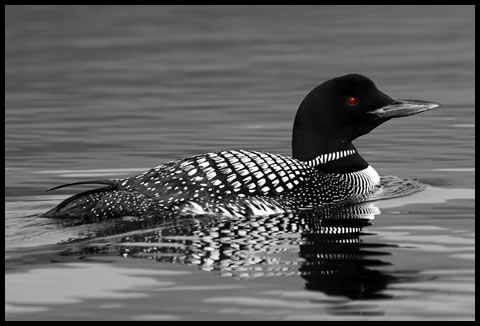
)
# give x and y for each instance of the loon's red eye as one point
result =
(352, 101)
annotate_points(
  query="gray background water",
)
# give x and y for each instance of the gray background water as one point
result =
(98, 92)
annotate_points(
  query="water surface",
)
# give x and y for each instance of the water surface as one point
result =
(107, 92)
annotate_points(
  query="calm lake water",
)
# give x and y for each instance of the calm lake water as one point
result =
(105, 92)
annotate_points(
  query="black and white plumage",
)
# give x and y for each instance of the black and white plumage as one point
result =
(325, 167)
(246, 183)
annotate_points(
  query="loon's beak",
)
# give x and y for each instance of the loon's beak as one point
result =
(402, 108)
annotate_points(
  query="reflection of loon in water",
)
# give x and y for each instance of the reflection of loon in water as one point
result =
(325, 247)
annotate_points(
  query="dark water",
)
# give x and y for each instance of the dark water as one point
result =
(105, 92)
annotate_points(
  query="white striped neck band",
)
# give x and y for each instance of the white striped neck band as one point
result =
(328, 157)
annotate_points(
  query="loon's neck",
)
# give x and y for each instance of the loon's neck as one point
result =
(327, 153)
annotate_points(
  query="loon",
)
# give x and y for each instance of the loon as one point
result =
(325, 167)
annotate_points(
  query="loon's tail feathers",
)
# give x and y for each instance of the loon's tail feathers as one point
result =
(81, 204)
(103, 203)
(91, 182)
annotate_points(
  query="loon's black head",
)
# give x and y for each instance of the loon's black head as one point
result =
(342, 109)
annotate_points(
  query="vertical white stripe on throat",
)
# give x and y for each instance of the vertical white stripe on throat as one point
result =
(372, 175)
(328, 157)
(363, 181)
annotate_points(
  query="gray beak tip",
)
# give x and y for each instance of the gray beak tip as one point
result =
(403, 108)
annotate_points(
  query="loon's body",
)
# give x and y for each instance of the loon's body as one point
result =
(325, 168)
